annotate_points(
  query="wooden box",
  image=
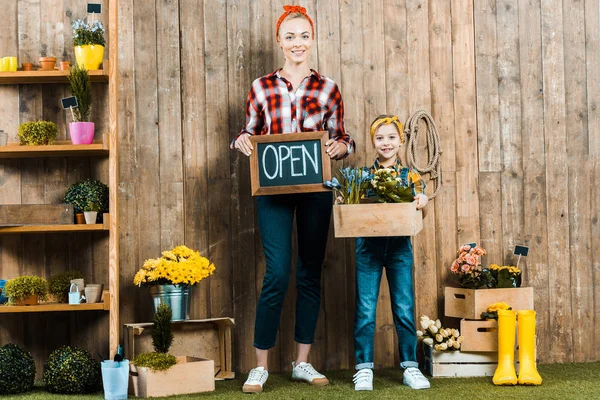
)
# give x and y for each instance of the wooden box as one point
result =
(479, 335)
(460, 363)
(189, 375)
(377, 219)
(470, 303)
(36, 214)
(208, 339)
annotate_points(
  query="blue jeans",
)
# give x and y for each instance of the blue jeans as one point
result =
(372, 254)
(275, 220)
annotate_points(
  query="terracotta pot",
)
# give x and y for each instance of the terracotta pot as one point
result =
(27, 301)
(47, 63)
(79, 218)
(27, 66)
(65, 65)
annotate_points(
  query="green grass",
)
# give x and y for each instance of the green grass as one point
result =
(561, 381)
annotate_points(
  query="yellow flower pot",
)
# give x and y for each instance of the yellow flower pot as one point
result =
(89, 55)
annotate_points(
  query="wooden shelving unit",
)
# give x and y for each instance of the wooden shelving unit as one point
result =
(60, 148)
(31, 77)
(105, 226)
(108, 147)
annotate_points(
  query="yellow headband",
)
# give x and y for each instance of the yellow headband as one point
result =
(385, 120)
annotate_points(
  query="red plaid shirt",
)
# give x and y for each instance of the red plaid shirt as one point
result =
(274, 107)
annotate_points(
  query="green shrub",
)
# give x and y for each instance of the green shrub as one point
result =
(17, 369)
(37, 133)
(87, 191)
(72, 370)
(162, 335)
(81, 87)
(25, 286)
(155, 361)
(59, 284)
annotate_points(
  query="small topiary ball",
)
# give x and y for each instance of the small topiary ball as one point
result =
(17, 369)
(72, 370)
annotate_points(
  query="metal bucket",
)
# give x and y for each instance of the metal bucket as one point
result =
(175, 296)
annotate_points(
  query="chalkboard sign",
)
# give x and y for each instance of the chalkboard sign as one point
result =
(289, 163)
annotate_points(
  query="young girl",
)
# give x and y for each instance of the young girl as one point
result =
(395, 254)
(294, 98)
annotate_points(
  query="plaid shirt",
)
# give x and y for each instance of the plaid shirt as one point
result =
(408, 176)
(274, 107)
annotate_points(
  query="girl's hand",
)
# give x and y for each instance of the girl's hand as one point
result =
(335, 149)
(243, 144)
(422, 201)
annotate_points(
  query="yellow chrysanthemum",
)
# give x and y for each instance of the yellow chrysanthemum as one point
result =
(498, 306)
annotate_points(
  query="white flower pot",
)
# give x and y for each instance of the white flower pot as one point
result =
(90, 217)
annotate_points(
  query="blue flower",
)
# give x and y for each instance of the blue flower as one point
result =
(332, 184)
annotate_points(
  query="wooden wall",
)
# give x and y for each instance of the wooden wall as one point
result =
(512, 85)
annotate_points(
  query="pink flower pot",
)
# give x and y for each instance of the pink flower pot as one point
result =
(81, 132)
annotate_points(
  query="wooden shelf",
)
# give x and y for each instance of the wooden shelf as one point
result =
(29, 77)
(105, 226)
(60, 148)
(103, 305)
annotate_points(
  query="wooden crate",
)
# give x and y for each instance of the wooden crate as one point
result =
(451, 364)
(470, 303)
(208, 339)
(479, 335)
(377, 219)
(189, 375)
(36, 214)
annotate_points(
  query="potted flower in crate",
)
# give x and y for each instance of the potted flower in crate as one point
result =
(88, 39)
(26, 290)
(365, 201)
(171, 277)
(483, 286)
(159, 373)
(81, 129)
(87, 191)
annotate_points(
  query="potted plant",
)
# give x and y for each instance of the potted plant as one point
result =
(159, 373)
(81, 129)
(26, 290)
(37, 133)
(91, 212)
(88, 39)
(87, 191)
(364, 202)
(58, 285)
(171, 276)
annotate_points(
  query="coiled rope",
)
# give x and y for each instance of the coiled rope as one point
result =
(434, 149)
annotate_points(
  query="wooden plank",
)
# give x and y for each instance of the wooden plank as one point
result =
(169, 128)
(244, 28)
(465, 121)
(595, 218)
(217, 126)
(56, 76)
(442, 111)
(582, 291)
(60, 148)
(479, 335)
(490, 205)
(535, 267)
(195, 157)
(557, 180)
(486, 70)
(396, 60)
(363, 220)
(54, 229)
(49, 307)
(592, 53)
(36, 214)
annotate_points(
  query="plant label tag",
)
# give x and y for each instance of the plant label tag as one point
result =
(93, 8)
(471, 245)
(521, 251)
(69, 102)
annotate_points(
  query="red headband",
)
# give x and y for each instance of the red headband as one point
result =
(290, 10)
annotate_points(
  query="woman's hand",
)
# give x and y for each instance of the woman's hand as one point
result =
(336, 149)
(243, 144)
(422, 200)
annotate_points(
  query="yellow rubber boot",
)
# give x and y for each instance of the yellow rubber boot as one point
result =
(505, 372)
(528, 374)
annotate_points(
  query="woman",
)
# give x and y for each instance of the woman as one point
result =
(294, 98)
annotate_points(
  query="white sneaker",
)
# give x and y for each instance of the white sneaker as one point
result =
(305, 372)
(414, 379)
(256, 379)
(363, 379)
